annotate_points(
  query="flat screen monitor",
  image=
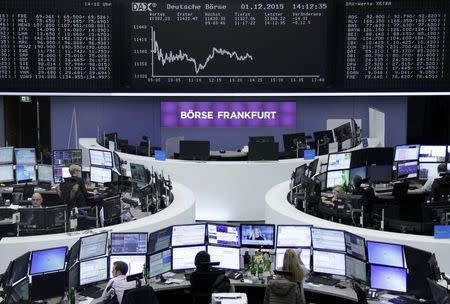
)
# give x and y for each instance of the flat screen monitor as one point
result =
(101, 175)
(261, 139)
(160, 263)
(129, 243)
(305, 256)
(257, 236)
(45, 173)
(263, 151)
(380, 156)
(19, 293)
(322, 180)
(6, 173)
(25, 173)
(187, 235)
(183, 257)
(101, 158)
(19, 268)
(324, 137)
(55, 217)
(74, 252)
(32, 218)
(293, 236)
(224, 235)
(355, 246)
(428, 170)
(73, 275)
(355, 269)
(338, 178)
(328, 239)
(59, 173)
(339, 161)
(294, 141)
(328, 262)
(380, 174)
(299, 173)
(112, 207)
(312, 167)
(343, 132)
(138, 173)
(385, 254)
(432, 154)
(93, 246)
(388, 278)
(406, 152)
(25, 156)
(6, 155)
(229, 257)
(135, 263)
(407, 169)
(48, 260)
(93, 271)
(361, 171)
(65, 158)
(194, 150)
(159, 240)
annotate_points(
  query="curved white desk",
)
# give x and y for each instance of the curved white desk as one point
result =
(223, 190)
(181, 211)
(280, 211)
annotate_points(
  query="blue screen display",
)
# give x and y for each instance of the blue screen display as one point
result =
(24, 172)
(388, 278)
(48, 260)
(385, 254)
(25, 156)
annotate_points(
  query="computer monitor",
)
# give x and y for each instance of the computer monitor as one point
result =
(138, 173)
(380, 156)
(73, 254)
(73, 276)
(328, 239)
(55, 217)
(159, 240)
(428, 170)
(380, 174)
(183, 257)
(355, 246)
(45, 173)
(292, 141)
(6, 173)
(224, 235)
(432, 154)
(32, 218)
(312, 167)
(194, 150)
(19, 293)
(65, 158)
(25, 173)
(324, 137)
(101, 175)
(160, 263)
(261, 139)
(126, 243)
(293, 236)
(93, 271)
(339, 161)
(343, 132)
(385, 254)
(229, 257)
(338, 178)
(112, 208)
(6, 155)
(407, 169)
(48, 260)
(19, 268)
(25, 156)
(406, 152)
(187, 235)
(135, 263)
(388, 278)
(257, 236)
(60, 173)
(361, 171)
(355, 269)
(101, 158)
(93, 246)
(299, 173)
(305, 255)
(328, 262)
(263, 151)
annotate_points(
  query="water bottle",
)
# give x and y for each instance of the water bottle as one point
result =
(73, 220)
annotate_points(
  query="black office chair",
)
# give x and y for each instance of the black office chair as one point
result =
(360, 293)
(440, 294)
(204, 285)
(400, 191)
(140, 295)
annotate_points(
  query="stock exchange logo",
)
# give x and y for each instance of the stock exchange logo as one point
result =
(142, 6)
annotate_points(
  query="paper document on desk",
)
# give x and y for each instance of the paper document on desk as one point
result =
(174, 281)
(229, 298)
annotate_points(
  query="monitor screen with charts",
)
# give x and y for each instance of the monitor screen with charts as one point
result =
(258, 236)
(186, 235)
(45, 173)
(229, 257)
(432, 154)
(93, 245)
(328, 239)
(224, 235)
(388, 278)
(65, 158)
(59, 173)
(160, 263)
(355, 246)
(48, 260)
(338, 178)
(407, 152)
(129, 243)
(328, 262)
(93, 271)
(25, 172)
(183, 257)
(6, 173)
(135, 263)
(25, 156)
(305, 255)
(6, 155)
(428, 170)
(101, 175)
(355, 269)
(159, 240)
(339, 161)
(101, 158)
(293, 236)
(407, 169)
(385, 254)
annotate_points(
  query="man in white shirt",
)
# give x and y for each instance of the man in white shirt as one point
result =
(442, 169)
(118, 284)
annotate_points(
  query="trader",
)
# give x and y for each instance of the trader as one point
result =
(36, 200)
(118, 284)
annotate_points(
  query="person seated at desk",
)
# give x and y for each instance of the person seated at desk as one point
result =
(36, 200)
(368, 195)
(440, 187)
(118, 284)
(441, 169)
(288, 288)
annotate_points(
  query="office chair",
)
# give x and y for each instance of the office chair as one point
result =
(400, 191)
(440, 294)
(203, 286)
(27, 190)
(140, 295)
(360, 293)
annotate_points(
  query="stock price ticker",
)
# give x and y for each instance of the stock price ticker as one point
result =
(228, 46)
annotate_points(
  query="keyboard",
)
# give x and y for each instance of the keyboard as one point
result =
(322, 280)
(92, 292)
(404, 300)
